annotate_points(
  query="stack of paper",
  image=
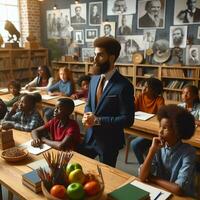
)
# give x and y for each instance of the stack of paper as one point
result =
(48, 97)
(143, 115)
(34, 150)
(78, 102)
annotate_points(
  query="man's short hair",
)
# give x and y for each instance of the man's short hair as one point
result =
(149, 4)
(107, 25)
(178, 28)
(77, 7)
(111, 45)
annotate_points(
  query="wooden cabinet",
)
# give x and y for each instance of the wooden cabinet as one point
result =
(20, 64)
(174, 78)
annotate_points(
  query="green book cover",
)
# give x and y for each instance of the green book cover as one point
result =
(129, 191)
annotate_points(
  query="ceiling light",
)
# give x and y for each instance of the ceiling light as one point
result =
(55, 7)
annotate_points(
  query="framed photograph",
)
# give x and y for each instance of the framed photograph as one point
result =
(193, 55)
(78, 13)
(149, 38)
(178, 36)
(87, 53)
(198, 32)
(95, 13)
(58, 24)
(186, 12)
(155, 9)
(91, 35)
(118, 7)
(78, 36)
(125, 25)
(129, 45)
(107, 29)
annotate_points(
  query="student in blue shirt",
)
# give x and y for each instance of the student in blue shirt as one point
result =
(65, 86)
(169, 162)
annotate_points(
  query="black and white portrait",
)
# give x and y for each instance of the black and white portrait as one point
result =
(198, 32)
(78, 36)
(129, 45)
(78, 13)
(108, 29)
(87, 53)
(193, 55)
(151, 14)
(187, 12)
(149, 38)
(95, 13)
(58, 24)
(91, 35)
(118, 7)
(125, 25)
(178, 36)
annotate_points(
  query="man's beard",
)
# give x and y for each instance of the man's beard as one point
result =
(177, 41)
(101, 68)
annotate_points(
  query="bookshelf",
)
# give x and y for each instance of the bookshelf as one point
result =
(173, 77)
(21, 64)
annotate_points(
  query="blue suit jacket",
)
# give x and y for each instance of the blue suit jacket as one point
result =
(115, 109)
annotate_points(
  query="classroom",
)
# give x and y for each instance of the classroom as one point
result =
(99, 99)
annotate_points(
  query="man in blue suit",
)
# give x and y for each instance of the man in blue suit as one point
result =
(107, 116)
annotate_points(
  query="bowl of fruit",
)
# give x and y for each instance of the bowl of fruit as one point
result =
(72, 182)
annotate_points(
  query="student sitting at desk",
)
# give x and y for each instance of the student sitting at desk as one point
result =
(169, 162)
(191, 102)
(23, 116)
(64, 87)
(42, 81)
(83, 83)
(150, 100)
(64, 132)
(14, 88)
(3, 109)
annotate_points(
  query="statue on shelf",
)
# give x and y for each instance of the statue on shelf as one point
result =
(10, 27)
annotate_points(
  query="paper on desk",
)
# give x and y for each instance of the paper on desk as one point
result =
(30, 92)
(78, 102)
(4, 90)
(143, 115)
(48, 97)
(152, 190)
(38, 163)
(34, 150)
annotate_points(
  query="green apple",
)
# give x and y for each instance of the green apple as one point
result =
(72, 166)
(75, 191)
(77, 176)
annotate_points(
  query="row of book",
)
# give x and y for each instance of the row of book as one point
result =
(181, 73)
(177, 84)
(172, 95)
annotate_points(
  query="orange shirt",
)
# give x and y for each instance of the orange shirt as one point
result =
(143, 103)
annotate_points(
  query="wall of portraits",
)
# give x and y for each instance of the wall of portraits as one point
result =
(137, 24)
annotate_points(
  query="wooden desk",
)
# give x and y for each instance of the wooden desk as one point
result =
(11, 173)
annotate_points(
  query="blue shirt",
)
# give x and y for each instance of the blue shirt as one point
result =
(177, 165)
(61, 86)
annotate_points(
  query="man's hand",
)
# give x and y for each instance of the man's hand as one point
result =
(36, 142)
(157, 143)
(88, 119)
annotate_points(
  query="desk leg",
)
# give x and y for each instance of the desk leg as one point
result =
(10, 195)
(128, 141)
(1, 195)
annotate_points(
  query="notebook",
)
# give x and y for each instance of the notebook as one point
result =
(154, 191)
(39, 163)
(129, 191)
(78, 102)
(143, 115)
(34, 150)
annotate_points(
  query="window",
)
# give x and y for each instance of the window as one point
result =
(9, 11)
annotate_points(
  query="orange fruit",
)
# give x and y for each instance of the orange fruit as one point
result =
(92, 188)
(58, 191)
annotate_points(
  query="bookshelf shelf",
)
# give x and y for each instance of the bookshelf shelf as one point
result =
(20, 64)
(173, 77)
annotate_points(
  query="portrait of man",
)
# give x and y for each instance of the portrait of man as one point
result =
(187, 12)
(78, 13)
(178, 36)
(154, 14)
(108, 29)
(95, 9)
(118, 7)
(125, 28)
(78, 37)
(193, 55)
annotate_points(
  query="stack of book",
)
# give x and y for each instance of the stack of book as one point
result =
(32, 181)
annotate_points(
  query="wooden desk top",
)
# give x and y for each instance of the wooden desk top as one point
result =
(11, 173)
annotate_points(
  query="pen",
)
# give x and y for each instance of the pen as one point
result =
(159, 194)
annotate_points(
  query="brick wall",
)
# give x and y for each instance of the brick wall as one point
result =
(30, 19)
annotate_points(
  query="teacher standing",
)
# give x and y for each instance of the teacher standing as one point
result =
(109, 111)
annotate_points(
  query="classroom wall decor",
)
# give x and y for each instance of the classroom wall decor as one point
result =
(168, 11)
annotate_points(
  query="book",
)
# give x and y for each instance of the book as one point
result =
(129, 191)
(155, 193)
(34, 150)
(39, 163)
(32, 178)
(34, 189)
(143, 115)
